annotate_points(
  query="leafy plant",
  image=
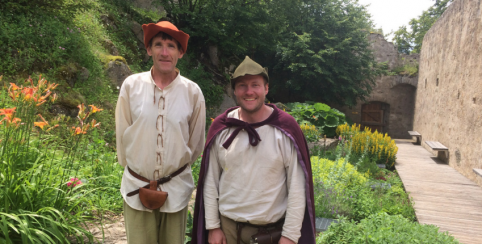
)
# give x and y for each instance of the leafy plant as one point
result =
(312, 134)
(381, 148)
(410, 41)
(332, 182)
(326, 119)
(42, 198)
(383, 228)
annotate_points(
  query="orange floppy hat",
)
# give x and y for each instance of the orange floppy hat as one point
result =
(150, 30)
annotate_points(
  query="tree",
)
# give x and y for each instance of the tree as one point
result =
(410, 41)
(325, 54)
(315, 49)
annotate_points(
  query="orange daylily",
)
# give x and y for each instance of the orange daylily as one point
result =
(14, 87)
(53, 97)
(40, 124)
(212, 119)
(95, 109)
(93, 124)
(28, 92)
(8, 112)
(82, 114)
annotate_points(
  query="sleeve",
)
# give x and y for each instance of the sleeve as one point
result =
(211, 190)
(123, 120)
(296, 195)
(197, 128)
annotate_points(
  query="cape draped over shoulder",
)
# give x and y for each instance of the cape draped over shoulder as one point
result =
(287, 124)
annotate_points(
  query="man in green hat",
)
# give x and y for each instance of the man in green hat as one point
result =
(255, 179)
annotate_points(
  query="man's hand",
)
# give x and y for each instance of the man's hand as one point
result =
(283, 240)
(216, 236)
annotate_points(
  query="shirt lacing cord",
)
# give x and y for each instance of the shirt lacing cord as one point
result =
(254, 138)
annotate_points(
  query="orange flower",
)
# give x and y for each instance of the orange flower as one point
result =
(8, 112)
(40, 124)
(78, 130)
(212, 119)
(14, 87)
(28, 93)
(93, 124)
(95, 109)
(82, 114)
(53, 97)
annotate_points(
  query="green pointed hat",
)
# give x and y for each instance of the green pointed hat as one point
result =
(249, 67)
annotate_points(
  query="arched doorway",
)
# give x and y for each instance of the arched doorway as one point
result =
(375, 115)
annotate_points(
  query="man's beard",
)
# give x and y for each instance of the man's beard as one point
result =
(249, 111)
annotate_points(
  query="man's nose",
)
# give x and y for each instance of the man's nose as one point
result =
(164, 51)
(249, 90)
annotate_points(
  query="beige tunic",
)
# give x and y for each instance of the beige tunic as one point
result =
(258, 184)
(158, 131)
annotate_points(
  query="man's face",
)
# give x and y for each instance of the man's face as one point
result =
(165, 54)
(250, 92)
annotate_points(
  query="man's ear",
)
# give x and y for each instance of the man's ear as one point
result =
(149, 51)
(181, 53)
(266, 88)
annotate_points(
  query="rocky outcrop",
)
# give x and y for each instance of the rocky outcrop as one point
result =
(110, 47)
(73, 73)
(118, 72)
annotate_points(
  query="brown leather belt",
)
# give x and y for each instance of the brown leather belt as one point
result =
(159, 181)
(241, 225)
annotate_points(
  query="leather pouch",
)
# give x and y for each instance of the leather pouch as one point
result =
(266, 236)
(151, 198)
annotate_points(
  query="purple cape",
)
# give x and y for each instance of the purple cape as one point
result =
(290, 128)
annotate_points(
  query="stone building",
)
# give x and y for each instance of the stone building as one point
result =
(448, 106)
(389, 108)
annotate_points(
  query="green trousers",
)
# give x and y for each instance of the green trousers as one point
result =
(154, 227)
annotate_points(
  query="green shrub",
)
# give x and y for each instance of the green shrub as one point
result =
(326, 119)
(383, 228)
(312, 134)
(333, 183)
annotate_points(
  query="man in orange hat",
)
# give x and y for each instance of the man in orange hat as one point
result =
(160, 126)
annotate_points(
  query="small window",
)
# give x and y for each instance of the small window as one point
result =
(436, 82)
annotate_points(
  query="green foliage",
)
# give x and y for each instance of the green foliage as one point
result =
(324, 54)
(332, 182)
(410, 69)
(326, 119)
(195, 71)
(383, 228)
(312, 134)
(410, 41)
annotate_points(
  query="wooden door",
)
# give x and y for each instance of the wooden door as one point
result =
(372, 116)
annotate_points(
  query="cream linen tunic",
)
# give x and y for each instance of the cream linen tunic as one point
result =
(158, 131)
(258, 184)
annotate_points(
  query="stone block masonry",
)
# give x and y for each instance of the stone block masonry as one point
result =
(448, 103)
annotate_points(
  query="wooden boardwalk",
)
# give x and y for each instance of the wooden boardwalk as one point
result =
(442, 196)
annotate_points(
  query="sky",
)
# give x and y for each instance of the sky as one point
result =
(391, 14)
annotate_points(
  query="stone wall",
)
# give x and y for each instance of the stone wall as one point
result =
(396, 91)
(448, 104)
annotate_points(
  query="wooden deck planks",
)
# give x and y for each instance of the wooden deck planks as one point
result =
(442, 196)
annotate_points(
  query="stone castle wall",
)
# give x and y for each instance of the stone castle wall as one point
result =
(398, 91)
(448, 105)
